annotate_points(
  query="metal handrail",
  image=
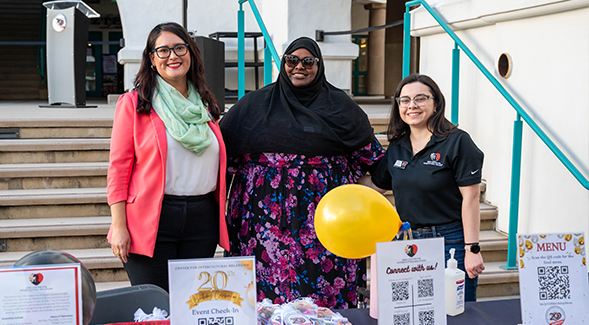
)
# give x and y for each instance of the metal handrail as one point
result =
(269, 49)
(517, 136)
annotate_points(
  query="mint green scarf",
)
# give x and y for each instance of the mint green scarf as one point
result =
(185, 118)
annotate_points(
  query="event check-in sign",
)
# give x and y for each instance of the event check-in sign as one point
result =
(41, 295)
(553, 278)
(213, 291)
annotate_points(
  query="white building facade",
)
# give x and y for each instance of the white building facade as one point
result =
(285, 21)
(548, 42)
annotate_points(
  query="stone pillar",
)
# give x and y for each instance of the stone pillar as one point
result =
(376, 46)
(287, 20)
(394, 47)
(138, 17)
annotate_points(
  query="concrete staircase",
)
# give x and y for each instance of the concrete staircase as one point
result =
(52, 192)
(53, 196)
(494, 281)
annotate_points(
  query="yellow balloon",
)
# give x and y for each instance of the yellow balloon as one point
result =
(351, 219)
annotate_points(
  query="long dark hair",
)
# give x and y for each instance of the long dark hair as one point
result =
(146, 78)
(436, 124)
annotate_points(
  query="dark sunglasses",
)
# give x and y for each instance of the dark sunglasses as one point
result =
(293, 60)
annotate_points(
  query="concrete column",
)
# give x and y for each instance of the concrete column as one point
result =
(376, 50)
(285, 20)
(394, 47)
(138, 17)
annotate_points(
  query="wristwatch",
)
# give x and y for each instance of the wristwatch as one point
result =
(473, 248)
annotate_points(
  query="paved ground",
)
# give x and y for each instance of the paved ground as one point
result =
(30, 110)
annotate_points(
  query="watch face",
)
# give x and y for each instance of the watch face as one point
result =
(475, 248)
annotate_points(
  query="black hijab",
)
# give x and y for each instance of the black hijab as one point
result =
(314, 120)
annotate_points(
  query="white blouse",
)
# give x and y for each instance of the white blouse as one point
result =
(188, 173)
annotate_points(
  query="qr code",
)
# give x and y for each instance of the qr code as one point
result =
(402, 319)
(426, 317)
(215, 321)
(554, 282)
(425, 288)
(400, 290)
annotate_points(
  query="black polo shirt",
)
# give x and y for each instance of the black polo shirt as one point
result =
(426, 185)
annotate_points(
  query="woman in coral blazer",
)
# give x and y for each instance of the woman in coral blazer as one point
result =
(166, 180)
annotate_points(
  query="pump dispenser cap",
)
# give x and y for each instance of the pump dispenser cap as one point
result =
(452, 263)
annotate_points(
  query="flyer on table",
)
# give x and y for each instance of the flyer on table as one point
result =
(553, 278)
(410, 277)
(213, 291)
(41, 295)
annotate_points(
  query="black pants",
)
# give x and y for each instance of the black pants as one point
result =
(188, 228)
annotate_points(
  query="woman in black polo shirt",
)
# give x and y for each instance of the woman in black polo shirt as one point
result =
(434, 170)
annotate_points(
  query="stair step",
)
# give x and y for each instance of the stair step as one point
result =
(57, 233)
(379, 124)
(102, 264)
(382, 138)
(489, 214)
(54, 150)
(103, 286)
(58, 118)
(53, 169)
(497, 282)
(53, 175)
(52, 196)
(53, 227)
(21, 145)
(54, 133)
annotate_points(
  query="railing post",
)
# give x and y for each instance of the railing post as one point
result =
(406, 42)
(240, 51)
(267, 65)
(514, 197)
(455, 83)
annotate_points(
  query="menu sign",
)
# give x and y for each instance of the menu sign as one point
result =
(553, 278)
(213, 291)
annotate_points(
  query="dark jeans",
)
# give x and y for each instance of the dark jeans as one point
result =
(453, 234)
(188, 228)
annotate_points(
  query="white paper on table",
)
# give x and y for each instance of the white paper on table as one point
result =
(553, 278)
(411, 282)
(205, 291)
(41, 295)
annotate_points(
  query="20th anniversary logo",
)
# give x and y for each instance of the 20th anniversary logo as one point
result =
(214, 292)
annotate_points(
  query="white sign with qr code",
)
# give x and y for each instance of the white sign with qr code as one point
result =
(410, 276)
(213, 291)
(553, 279)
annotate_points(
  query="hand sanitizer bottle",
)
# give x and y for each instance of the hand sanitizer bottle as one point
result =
(454, 287)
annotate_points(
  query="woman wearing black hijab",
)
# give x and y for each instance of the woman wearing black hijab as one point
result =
(288, 144)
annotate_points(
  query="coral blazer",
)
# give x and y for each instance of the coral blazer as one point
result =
(137, 173)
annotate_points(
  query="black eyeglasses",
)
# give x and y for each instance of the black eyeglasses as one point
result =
(293, 60)
(163, 52)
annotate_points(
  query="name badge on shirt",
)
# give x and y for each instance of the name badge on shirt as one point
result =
(400, 164)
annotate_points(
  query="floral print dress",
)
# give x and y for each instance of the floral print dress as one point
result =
(270, 216)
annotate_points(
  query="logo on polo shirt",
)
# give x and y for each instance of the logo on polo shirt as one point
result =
(400, 164)
(434, 160)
